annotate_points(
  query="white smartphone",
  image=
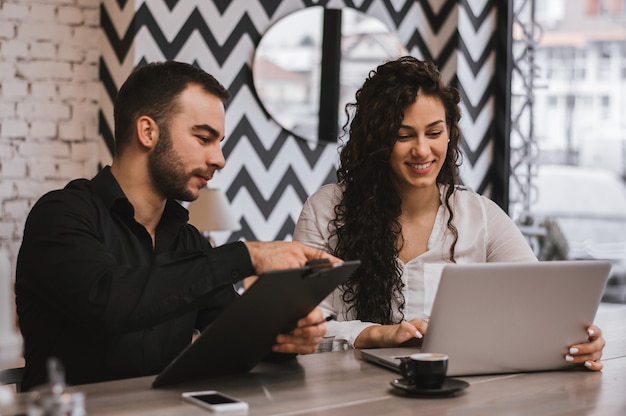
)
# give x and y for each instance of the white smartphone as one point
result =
(216, 402)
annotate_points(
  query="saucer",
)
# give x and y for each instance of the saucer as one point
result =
(450, 386)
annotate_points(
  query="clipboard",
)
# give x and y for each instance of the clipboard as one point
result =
(271, 306)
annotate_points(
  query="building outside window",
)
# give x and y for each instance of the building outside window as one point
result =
(578, 192)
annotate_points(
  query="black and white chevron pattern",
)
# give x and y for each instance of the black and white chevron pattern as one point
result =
(269, 173)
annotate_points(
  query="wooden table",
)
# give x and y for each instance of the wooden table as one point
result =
(339, 383)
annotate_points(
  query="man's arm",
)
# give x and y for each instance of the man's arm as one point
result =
(69, 262)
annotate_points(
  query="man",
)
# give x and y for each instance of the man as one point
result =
(110, 277)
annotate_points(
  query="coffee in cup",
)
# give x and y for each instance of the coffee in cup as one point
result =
(425, 370)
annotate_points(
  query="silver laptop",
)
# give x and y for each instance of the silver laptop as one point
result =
(493, 318)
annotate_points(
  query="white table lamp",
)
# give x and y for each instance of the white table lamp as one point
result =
(211, 212)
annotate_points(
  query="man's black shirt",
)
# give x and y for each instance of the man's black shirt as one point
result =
(92, 291)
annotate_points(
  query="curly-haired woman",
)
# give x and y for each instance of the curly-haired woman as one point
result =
(399, 209)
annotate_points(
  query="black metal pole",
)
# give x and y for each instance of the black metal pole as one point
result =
(329, 85)
(502, 119)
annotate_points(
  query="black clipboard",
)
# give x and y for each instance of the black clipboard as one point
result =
(271, 306)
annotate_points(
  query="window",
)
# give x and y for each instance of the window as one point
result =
(579, 129)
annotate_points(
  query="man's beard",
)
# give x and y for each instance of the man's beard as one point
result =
(166, 170)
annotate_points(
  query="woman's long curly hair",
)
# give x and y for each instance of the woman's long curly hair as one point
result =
(366, 220)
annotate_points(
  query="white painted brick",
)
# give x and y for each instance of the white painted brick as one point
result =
(44, 89)
(44, 31)
(13, 11)
(45, 70)
(72, 90)
(88, 3)
(92, 56)
(7, 69)
(87, 73)
(70, 53)
(15, 88)
(90, 169)
(63, 89)
(31, 189)
(14, 48)
(54, 110)
(25, 109)
(83, 151)
(44, 110)
(42, 13)
(91, 130)
(86, 111)
(7, 30)
(14, 246)
(92, 17)
(43, 129)
(61, 2)
(13, 128)
(38, 192)
(87, 36)
(70, 131)
(40, 169)
(7, 229)
(6, 152)
(7, 189)
(42, 50)
(71, 170)
(70, 15)
(7, 109)
(15, 208)
(48, 149)
(14, 168)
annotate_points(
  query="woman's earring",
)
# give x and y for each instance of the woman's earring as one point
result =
(448, 140)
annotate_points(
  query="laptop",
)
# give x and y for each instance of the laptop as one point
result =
(243, 334)
(494, 318)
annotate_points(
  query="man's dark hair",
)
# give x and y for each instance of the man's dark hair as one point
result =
(152, 90)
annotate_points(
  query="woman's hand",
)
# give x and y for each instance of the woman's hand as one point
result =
(380, 336)
(589, 352)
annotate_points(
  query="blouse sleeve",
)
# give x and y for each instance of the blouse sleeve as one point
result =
(313, 229)
(505, 240)
(313, 223)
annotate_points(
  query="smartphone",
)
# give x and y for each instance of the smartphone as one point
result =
(216, 402)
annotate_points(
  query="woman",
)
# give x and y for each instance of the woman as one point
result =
(398, 208)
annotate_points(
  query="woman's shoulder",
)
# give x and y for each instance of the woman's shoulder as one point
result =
(465, 192)
(470, 201)
(461, 194)
(329, 193)
(464, 197)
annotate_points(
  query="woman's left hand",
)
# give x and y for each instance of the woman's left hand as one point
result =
(589, 352)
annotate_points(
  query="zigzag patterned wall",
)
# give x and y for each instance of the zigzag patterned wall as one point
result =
(269, 173)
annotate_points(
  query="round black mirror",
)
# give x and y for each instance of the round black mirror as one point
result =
(318, 55)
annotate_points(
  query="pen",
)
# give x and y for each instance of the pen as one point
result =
(327, 319)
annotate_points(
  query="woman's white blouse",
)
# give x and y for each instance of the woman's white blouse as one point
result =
(486, 234)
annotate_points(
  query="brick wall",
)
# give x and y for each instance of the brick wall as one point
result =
(49, 91)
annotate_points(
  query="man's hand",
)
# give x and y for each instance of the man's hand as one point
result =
(278, 255)
(305, 338)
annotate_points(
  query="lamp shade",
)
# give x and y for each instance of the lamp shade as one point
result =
(211, 212)
(10, 341)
